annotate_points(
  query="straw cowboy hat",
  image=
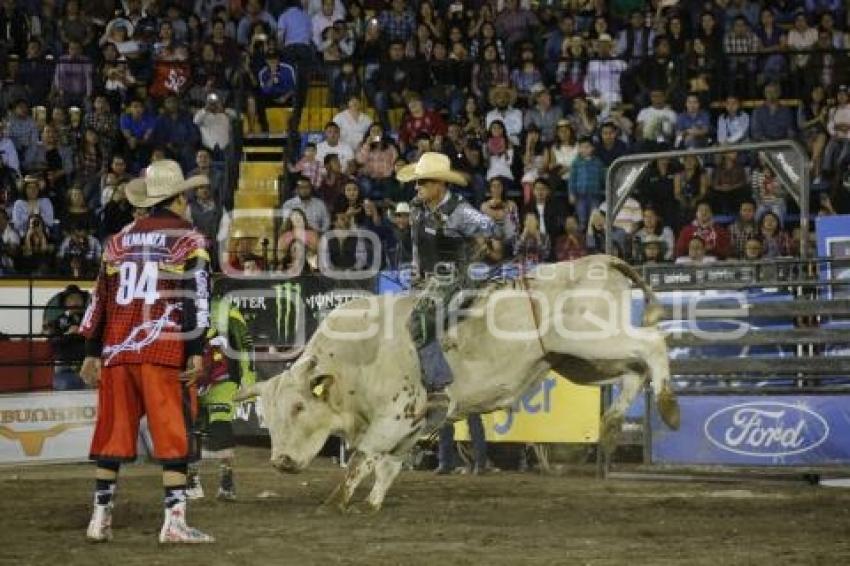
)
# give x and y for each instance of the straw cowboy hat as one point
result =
(163, 179)
(431, 165)
(498, 91)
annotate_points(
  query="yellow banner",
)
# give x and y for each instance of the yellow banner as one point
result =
(555, 410)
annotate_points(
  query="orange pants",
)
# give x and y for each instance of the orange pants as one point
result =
(126, 393)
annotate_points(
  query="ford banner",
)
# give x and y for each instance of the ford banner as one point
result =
(756, 431)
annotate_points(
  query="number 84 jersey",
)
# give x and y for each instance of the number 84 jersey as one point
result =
(151, 301)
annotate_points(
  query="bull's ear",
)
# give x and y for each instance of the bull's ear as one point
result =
(250, 392)
(320, 386)
(304, 366)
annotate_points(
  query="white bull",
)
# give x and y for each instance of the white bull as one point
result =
(359, 378)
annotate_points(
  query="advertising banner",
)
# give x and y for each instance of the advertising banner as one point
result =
(46, 427)
(805, 430)
(555, 410)
(286, 312)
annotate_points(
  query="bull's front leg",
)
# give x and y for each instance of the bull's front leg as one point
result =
(359, 466)
(387, 469)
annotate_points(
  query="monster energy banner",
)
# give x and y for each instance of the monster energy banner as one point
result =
(286, 312)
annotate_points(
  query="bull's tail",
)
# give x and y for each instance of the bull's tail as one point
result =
(653, 311)
(657, 361)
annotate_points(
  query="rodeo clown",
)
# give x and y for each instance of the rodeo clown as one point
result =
(229, 361)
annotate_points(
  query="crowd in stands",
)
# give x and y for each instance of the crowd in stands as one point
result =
(532, 101)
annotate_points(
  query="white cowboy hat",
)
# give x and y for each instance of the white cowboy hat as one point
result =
(162, 180)
(402, 208)
(431, 165)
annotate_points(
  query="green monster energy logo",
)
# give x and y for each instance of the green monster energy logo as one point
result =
(288, 301)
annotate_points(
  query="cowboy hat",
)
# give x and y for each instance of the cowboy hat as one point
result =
(162, 180)
(431, 165)
(501, 90)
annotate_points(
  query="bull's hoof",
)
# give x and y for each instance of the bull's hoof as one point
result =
(668, 408)
(611, 428)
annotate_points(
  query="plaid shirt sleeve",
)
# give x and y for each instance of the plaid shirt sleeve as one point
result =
(93, 321)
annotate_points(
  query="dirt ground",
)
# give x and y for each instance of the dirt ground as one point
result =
(501, 518)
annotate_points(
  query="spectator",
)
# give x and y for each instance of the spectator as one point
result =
(68, 345)
(586, 181)
(801, 37)
(734, 124)
(532, 245)
(515, 24)
(419, 120)
(298, 243)
(536, 156)
(564, 152)
(504, 213)
(771, 121)
(696, 253)
(525, 76)
(105, 123)
(175, 131)
(571, 72)
(489, 72)
(277, 80)
(308, 166)
(543, 114)
(773, 66)
(10, 243)
(635, 42)
(812, 124)
(351, 203)
(344, 248)
(205, 214)
(661, 71)
(8, 154)
(753, 249)
(703, 70)
(596, 236)
(313, 209)
(610, 145)
(117, 213)
(32, 203)
(502, 99)
(838, 126)
(397, 23)
(693, 126)
(729, 186)
(254, 14)
(604, 74)
(770, 194)
(37, 70)
(651, 229)
(744, 228)
(75, 211)
(656, 122)
(137, 126)
(741, 45)
(775, 240)
(395, 76)
(690, 185)
(72, 82)
(353, 123)
(36, 249)
(553, 48)
(502, 158)
(714, 236)
(570, 245)
(80, 252)
(204, 166)
(215, 124)
(377, 156)
(550, 212)
(346, 85)
(333, 180)
(21, 129)
(400, 252)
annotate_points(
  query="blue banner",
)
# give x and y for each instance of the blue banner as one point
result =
(756, 431)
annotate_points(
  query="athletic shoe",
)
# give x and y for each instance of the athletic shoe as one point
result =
(175, 530)
(226, 494)
(194, 489)
(100, 526)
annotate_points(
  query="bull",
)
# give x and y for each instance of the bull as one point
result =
(358, 376)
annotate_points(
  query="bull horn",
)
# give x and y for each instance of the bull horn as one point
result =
(250, 392)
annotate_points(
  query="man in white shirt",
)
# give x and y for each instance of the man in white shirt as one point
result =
(603, 74)
(656, 122)
(332, 145)
(502, 98)
(353, 123)
(214, 123)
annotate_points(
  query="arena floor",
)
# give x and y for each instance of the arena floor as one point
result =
(502, 518)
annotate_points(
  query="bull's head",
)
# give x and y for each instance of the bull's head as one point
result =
(301, 410)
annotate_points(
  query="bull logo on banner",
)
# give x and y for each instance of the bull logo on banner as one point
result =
(32, 441)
